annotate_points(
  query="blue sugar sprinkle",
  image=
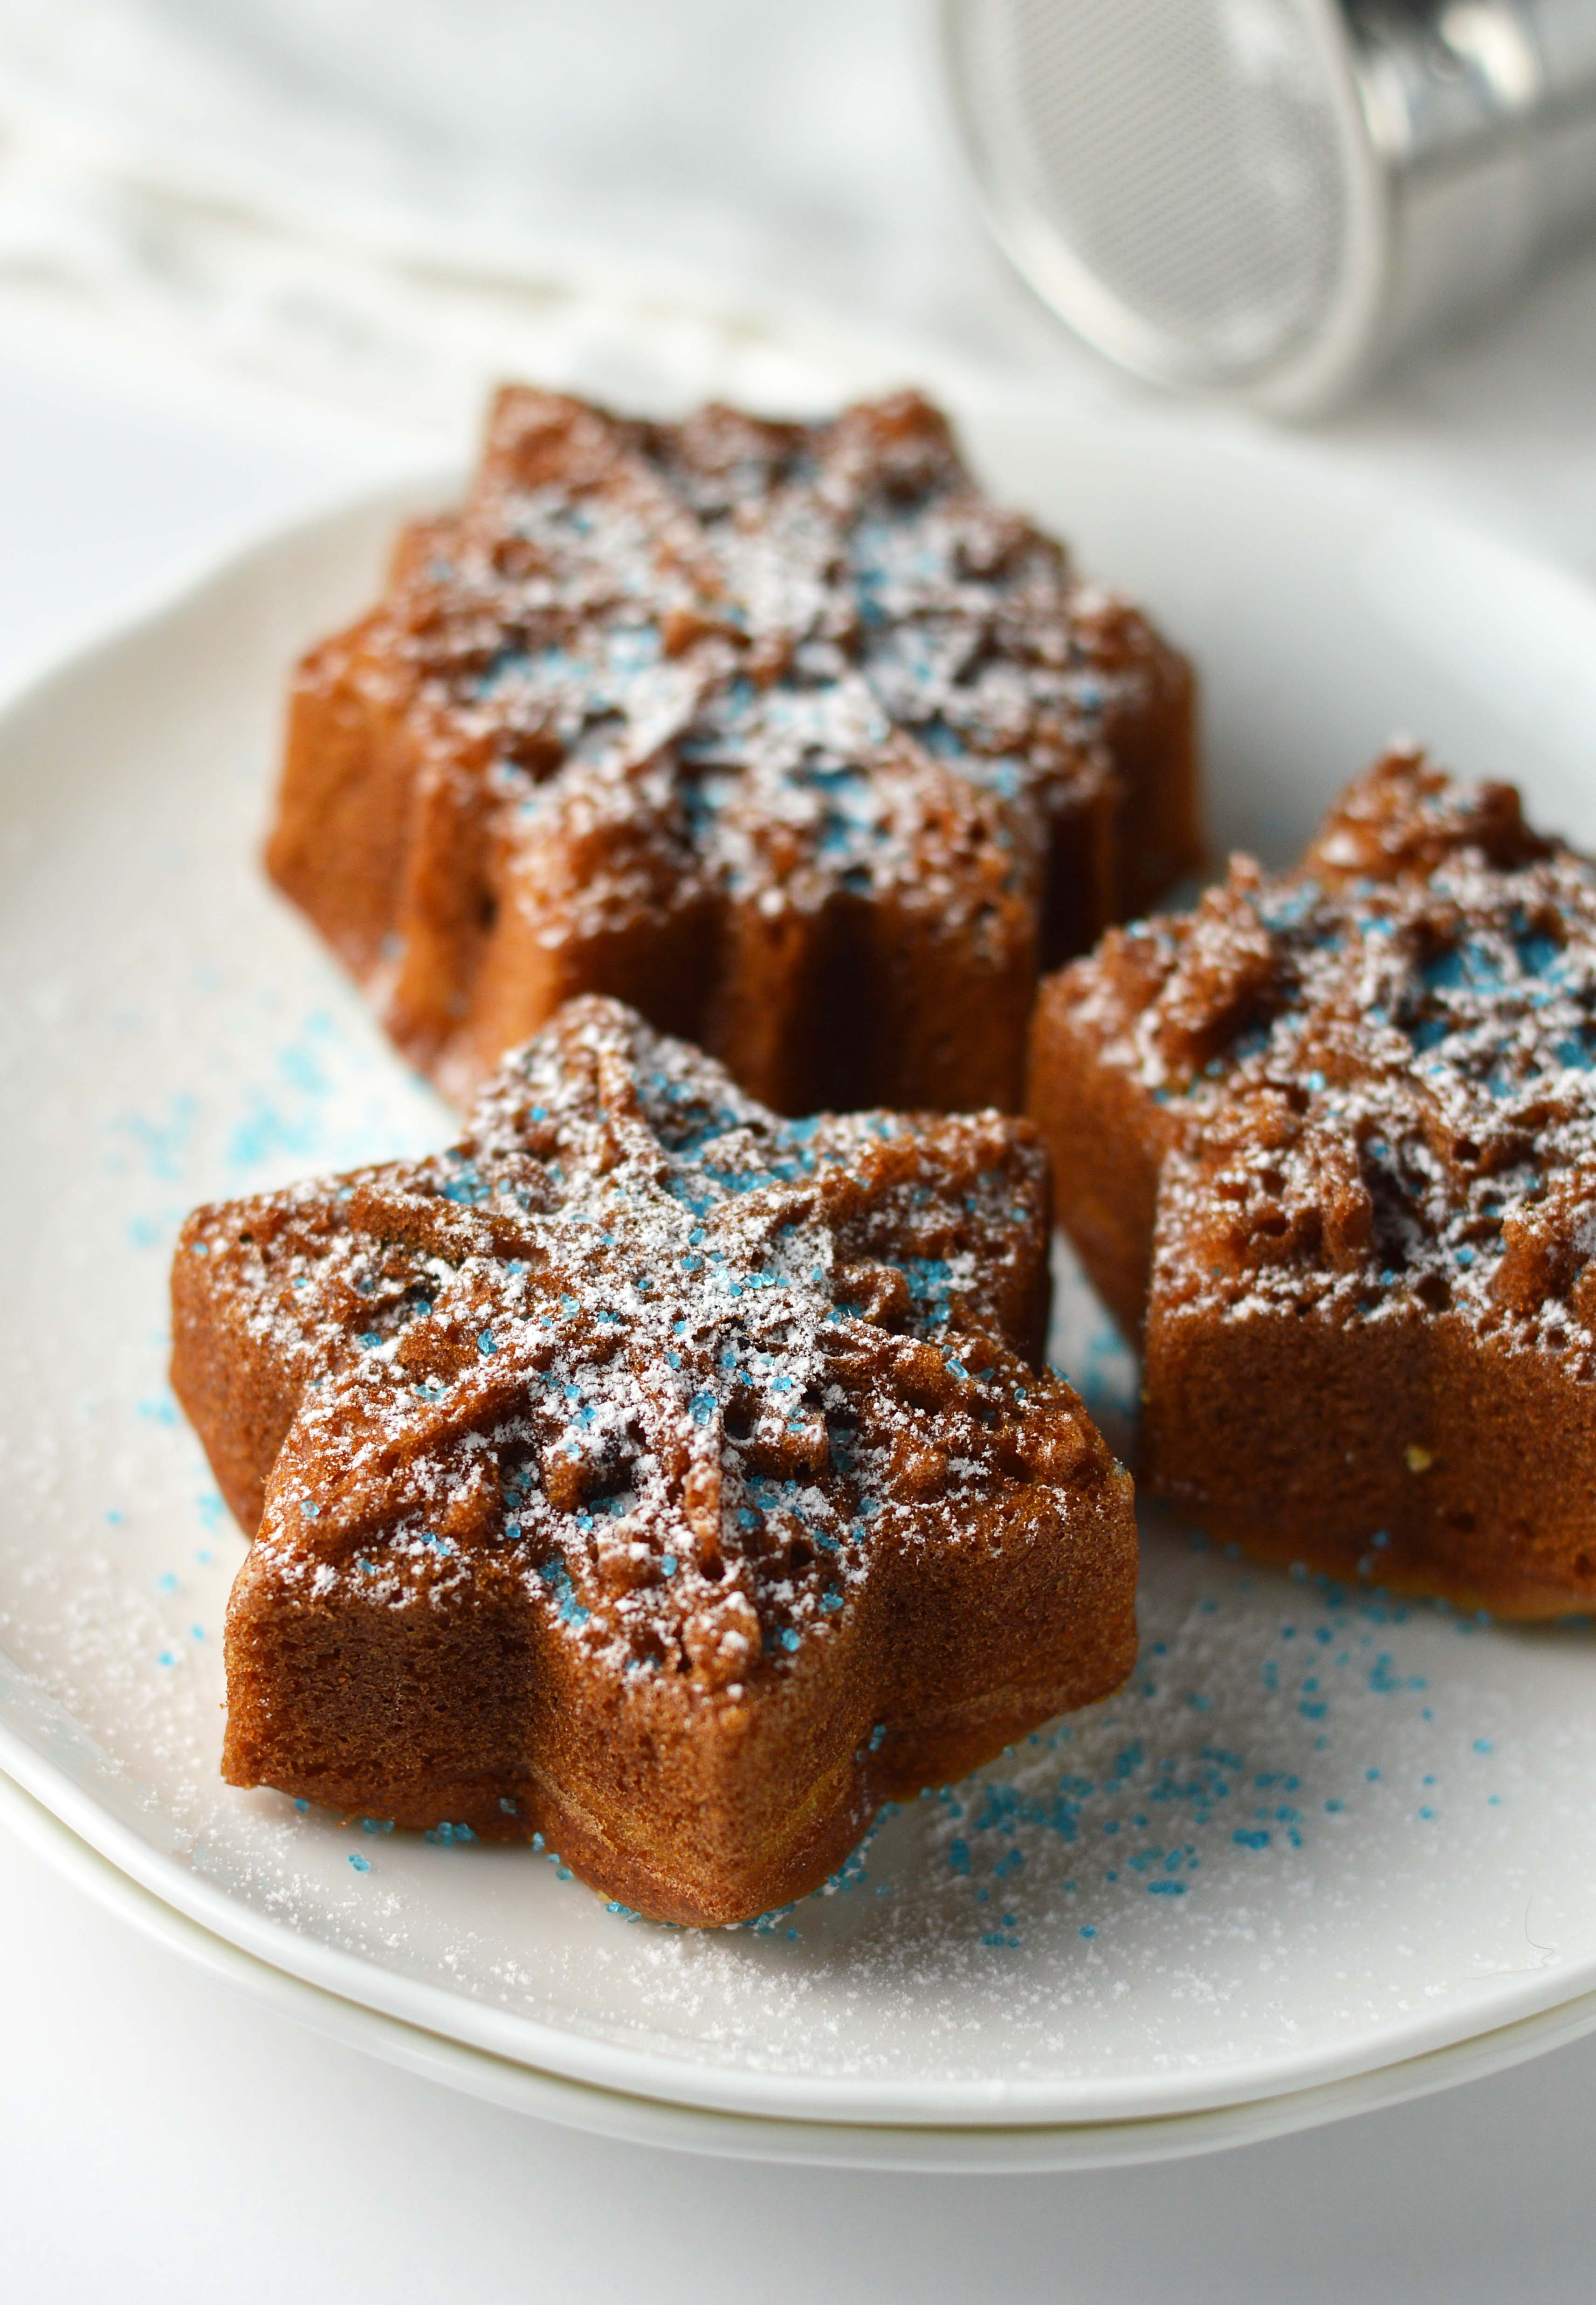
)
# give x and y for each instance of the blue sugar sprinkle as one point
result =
(166, 1582)
(1088, 1931)
(485, 1343)
(362, 1864)
(303, 1807)
(557, 1577)
(1248, 1840)
(1292, 909)
(1537, 954)
(1464, 966)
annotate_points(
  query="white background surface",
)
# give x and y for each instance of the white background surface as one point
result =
(161, 2138)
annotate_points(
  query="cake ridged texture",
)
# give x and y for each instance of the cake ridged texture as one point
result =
(652, 1473)
(782, 733)
(1330, 1141)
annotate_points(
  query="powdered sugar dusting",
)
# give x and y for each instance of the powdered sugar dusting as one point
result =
(1377, 1075)
(684, 1366)
(804, 658)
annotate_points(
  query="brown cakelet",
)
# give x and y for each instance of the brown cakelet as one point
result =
(1331, 1141)
(652, 1473)
(783, 733)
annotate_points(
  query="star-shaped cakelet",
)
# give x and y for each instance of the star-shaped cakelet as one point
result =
(652, 1473)
(1330, 1140)
(784, 733)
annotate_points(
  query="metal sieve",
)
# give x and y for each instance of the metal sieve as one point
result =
(1269, 198)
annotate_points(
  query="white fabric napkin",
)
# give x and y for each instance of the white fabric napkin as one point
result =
(404, 197)
(388, 203)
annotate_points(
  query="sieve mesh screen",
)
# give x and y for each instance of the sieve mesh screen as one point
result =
(1186, 153)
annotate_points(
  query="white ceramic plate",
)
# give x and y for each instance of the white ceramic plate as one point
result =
(1317, 1836)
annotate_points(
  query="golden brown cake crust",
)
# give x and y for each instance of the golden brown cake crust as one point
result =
(783, 733)
(650, 1473)
(1331, 1140)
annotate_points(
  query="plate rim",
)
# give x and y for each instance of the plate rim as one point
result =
(626, 2116)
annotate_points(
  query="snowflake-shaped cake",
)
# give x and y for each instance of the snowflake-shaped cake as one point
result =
(783, 733)
(652, 1473)
(1331, 1140)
